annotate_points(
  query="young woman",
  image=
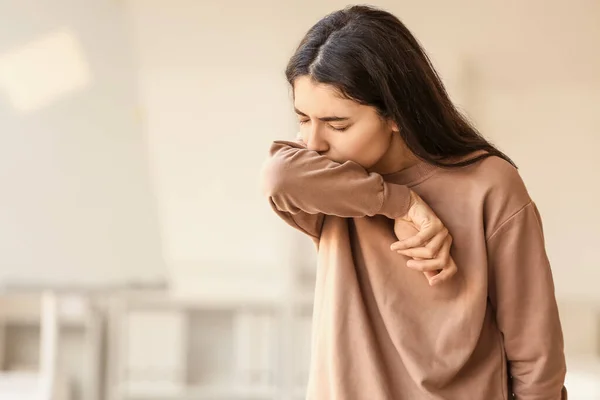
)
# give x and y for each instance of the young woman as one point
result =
(378, 134)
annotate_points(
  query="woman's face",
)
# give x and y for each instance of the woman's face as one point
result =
(339, 128)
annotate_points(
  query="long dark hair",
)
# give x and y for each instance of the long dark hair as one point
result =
(369, 56)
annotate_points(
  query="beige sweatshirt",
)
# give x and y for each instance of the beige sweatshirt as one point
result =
(379, 330)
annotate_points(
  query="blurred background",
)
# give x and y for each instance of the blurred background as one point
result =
(138, 258)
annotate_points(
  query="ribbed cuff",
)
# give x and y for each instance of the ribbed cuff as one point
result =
(396, 200)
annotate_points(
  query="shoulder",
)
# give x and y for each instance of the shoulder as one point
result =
(500, 178)
(498, 187)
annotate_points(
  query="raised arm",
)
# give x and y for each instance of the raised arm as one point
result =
(303, 186)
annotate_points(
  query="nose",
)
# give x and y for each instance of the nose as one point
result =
(315, 140)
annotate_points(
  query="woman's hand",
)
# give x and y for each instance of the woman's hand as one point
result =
(424, 238)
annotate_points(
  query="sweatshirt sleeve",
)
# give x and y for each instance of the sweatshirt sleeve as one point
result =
(522, 293)
(303, 186)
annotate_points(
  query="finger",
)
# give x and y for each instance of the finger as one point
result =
(436, 263)
(429, 250)
(439, 247)
(417, 240)
(427, 232)
(419, 252)
(430, 274)
(444, 275)
(441, 241)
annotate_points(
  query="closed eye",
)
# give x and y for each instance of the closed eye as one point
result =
(339, 129)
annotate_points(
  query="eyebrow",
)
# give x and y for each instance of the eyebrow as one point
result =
(324, 119)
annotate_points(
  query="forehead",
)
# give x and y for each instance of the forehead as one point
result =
(321, 100)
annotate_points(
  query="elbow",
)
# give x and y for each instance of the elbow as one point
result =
(274, 178)
(280, 176)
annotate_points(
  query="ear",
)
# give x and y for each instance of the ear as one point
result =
(393, 126)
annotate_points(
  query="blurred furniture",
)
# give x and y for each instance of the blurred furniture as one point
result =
(242, 347)
(45, 383)
(23, 315)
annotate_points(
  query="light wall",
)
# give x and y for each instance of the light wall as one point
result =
(76, 203)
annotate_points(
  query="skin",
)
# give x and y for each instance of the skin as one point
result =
(345, 130)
